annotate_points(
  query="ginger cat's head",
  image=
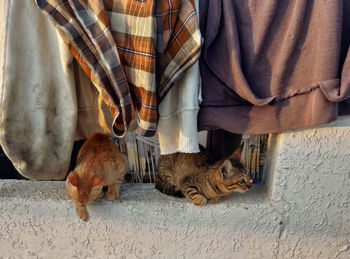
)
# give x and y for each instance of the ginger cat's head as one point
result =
(83, 191)
(233, 175)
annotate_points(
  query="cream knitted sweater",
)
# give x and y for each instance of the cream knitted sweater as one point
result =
(177, 126)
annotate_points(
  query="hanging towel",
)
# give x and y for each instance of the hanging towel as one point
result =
(115, 43)
(270, 66)
(46, 101)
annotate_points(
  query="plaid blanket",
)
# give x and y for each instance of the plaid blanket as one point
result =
(132, 50)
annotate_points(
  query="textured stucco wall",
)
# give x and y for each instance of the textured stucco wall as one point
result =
(302, 212)
(36, 218)
(309, 184)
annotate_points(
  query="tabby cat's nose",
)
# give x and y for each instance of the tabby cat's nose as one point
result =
(250, 182)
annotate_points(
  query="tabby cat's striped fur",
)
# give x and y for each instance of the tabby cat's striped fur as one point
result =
(191, 175)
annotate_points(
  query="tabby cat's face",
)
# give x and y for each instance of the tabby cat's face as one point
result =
(234, 176)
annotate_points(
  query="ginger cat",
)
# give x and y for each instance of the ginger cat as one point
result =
(191, 175)
(99, 163)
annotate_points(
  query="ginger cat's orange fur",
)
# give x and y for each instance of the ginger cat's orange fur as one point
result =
(99, 163)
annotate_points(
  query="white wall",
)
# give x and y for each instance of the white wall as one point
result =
(310, 187)
(302, 212)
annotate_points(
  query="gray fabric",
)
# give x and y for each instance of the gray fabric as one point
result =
(46, 101)
(38, 112)
(269, 66)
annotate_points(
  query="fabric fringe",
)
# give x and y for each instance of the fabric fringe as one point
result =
(253, 155)
(143, 154)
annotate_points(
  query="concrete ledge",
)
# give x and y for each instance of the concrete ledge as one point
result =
(38, 219)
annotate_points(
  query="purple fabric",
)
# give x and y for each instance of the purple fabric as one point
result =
(270, 66)
(221, 144)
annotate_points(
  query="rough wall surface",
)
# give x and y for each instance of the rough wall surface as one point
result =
(38, 219)
(309, 184)
(302, 212)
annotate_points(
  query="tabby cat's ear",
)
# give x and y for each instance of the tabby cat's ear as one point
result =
(73, 179)
(238, 152)
(225, 169)
(96, 181)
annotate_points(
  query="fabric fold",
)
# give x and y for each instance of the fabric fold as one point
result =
(177, 126)
(228, 52)
(38, 112)
(46, 100)
(178, 110)
(118, 51)
(274, 62)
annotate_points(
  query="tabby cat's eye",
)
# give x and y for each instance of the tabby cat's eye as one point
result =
(241, 181)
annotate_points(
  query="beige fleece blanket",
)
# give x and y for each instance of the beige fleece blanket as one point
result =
(46, 101)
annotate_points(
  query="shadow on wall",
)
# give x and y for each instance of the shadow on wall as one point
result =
(8, 171)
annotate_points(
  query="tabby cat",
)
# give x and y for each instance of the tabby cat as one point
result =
(191, 175)
(99, 163)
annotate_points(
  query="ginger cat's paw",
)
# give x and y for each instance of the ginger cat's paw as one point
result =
(112, 192)
(112, 195)
(82, 213)
(101, 195)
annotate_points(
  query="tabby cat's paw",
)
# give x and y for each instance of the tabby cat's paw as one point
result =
(212, 201)
(198, 200)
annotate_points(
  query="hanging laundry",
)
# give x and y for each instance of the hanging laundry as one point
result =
(115, 43)
(46, 100)
(270, 66)
(178, 110)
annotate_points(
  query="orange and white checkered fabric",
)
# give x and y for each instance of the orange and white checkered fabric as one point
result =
(132, 50)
